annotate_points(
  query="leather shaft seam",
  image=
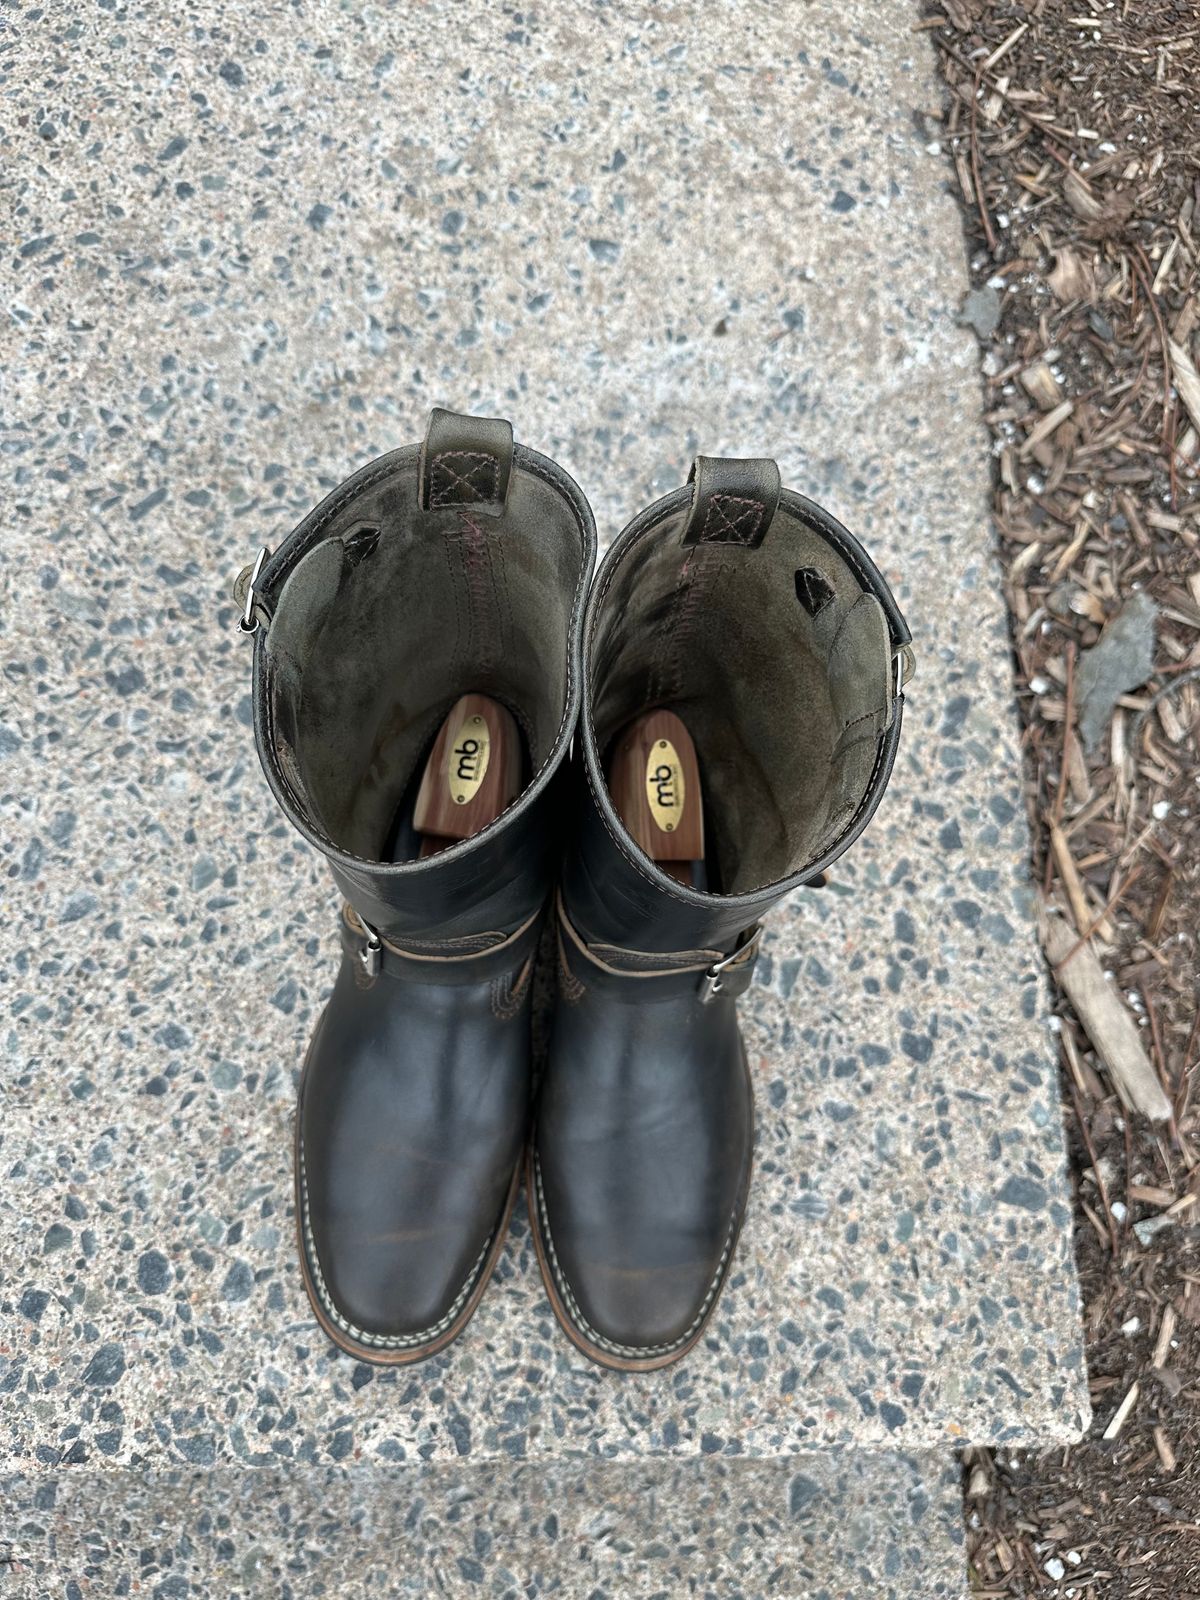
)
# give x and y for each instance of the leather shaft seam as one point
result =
(508, 994)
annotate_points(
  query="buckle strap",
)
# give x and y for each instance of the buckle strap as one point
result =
(254, 610)
(906, 666)
(372, 948)
(719, 975)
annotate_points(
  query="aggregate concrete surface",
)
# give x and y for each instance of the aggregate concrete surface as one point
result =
(832, 1526)
(246, 248)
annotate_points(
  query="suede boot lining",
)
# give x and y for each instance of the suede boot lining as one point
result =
(393, 616)
(786, 704)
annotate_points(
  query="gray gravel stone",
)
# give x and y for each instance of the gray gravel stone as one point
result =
(153, 1272)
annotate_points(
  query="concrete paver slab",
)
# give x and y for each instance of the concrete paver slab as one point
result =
(252, 251)
(819, 1527)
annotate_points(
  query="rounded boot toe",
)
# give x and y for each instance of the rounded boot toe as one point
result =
(643, 1313)
(390, 1297)
(389, 1284)
(630, 1297)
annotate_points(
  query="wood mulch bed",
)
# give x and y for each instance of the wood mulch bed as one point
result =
(1073, 132)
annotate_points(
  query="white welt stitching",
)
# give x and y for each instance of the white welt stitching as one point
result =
(582, 1322)
(381, 1341)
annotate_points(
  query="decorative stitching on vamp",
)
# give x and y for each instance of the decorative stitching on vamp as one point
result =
(581, 1321)
(740, 525)
(570, 988)
(462, 484)
(379, 1341)
(508, 994)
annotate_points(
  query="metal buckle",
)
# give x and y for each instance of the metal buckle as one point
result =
(739, 965)
(905, 661)
(243, 589)
(371, 954)
(904, 667)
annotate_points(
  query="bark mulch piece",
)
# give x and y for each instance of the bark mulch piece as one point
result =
(1073, 128)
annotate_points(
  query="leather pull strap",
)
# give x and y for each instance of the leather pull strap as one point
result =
(733, 501)
(465, 461)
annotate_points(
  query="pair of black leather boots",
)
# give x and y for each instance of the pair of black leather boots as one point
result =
(485, 745)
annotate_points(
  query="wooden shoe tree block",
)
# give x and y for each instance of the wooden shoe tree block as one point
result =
(472, 775)
(654, 780)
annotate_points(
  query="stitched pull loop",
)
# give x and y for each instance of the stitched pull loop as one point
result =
(733, 501)
(465, 461)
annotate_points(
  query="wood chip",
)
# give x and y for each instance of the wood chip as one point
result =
(1078, 195)
(1040, 384)
(1175, 729)
(1165, 520)
(1004, 47)
(1166, 1332)
(1026, 559)
(1047, 426)
(1122, 1415)
(1105, 1020)
(1187, 379)
(1068, 555)
(1077, 774)
(1129, 507)
(1071, 278)
(1102, 1232)
(1165, 1453)
(1164, 266)
(1073, 884)
(1082, 1071)
(1159, 910)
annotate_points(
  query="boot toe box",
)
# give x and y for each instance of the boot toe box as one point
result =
(389, 1289)
(407, 1151)
(398, 1236)
(640, 1313)
(635, 1295)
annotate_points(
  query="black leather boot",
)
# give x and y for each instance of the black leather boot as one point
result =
(742, 685)
(455, 569)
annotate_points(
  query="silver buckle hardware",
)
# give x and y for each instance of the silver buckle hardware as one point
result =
(906, 666)
(371, 954)
(243, 591)
(731, 976)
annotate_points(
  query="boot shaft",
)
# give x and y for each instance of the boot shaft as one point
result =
(758, 619)
(458, 566)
